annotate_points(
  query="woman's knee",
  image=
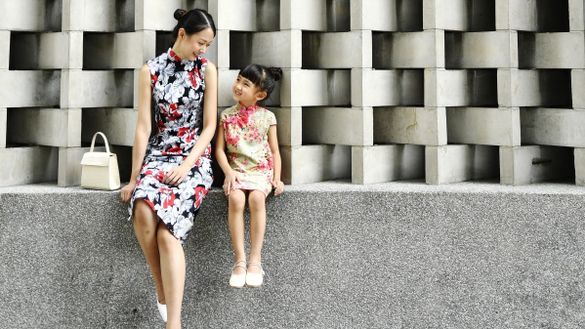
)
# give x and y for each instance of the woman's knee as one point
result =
(256, 200)
(165, 239)
(144, 218)
(237, 200)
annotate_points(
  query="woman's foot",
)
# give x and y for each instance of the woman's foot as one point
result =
(238, 277)
(162, 310)
(254, 275)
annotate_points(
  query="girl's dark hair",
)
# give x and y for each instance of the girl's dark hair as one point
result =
(193, 21)
(264, 78)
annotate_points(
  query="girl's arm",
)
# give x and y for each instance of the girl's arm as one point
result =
(273, 142)
(230, 175)
(142, 133)
(177, 174)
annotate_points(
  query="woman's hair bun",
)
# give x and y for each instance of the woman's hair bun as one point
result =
(179, 13)
(276, 72)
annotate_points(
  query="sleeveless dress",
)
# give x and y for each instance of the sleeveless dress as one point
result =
(247, 148)
(177, 99)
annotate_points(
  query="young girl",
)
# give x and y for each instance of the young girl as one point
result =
(171, 157)
(247, 151)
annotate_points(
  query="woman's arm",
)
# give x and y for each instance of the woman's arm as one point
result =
(142, 133)
(177, 174)
(273, 142)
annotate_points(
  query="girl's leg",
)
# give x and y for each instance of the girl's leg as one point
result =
(145, 223)
(257, 202)
(172, 264)
(237, 201)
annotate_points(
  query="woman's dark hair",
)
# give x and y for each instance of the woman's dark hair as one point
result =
(264, 78)
(193, 21)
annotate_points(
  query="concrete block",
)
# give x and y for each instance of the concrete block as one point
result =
(577, 86)
(46, 127)
(321, 50)
(336, 125)
(158, 15)
(5, 49)
(458, 163)
(520, 15)
(126, 50)
(394, 50)
(279, 49)
(580, 166)
(498, 49)
(247, 15)
(290, 121)
(410, 125)
(315, 163)
(460, 88)
(387, 87)
(315, 88)
(315, 15)
(69, 173)
(97, 88)
(534, 87)
(562, 50)
(386, 15)
(445, 14)
(30, 15)
(101, 15)
(482, 125)
(30, 88)
(3, 126)
(225, 80)
(116, 123)
(558, 127)
(28, 165)
(385, 163)
(522, 165)
(53, 50)
(576, 15)
(221, 45)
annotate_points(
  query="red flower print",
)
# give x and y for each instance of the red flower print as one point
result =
(200, 193)
(167, 196)
(173, 113)
(154, 79)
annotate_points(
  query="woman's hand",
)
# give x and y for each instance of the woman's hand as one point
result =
(176, 175)
(230, 179)
(278, 187)
(126, 191)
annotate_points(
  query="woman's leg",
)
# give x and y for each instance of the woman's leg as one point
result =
(237, 202)
(172, 264)
(145, 223)
(257, 202)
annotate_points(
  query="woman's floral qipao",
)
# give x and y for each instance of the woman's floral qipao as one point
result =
(177, 99)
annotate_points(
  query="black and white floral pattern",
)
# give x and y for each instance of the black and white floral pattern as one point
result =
(177, 97)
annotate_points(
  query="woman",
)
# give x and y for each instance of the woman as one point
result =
(171, 157)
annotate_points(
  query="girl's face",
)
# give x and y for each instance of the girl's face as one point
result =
(194, 45)
(245, 92)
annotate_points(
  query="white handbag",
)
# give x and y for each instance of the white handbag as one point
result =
(99, 170)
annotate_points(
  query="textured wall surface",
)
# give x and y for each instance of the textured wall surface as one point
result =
(373, 91)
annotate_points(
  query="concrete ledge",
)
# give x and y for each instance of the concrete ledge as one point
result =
(337, 256)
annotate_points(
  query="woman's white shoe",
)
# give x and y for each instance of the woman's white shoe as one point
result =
(162, 310)
(255, 279)
(238, 280)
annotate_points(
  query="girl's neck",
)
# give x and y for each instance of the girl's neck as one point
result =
(254, 104)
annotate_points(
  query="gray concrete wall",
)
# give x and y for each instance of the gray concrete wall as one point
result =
(397, 255)
(378, 74)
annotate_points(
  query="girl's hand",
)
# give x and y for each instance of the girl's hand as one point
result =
(176, 175)
(126, 191)
(230, 179)
(278, 187)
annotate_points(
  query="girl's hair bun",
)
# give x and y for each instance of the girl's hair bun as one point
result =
(276, 72)
(179, 13)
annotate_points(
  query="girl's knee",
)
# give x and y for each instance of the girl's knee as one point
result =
(256, 199)
(237, 200)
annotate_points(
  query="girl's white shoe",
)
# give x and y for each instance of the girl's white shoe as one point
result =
(162, 310)
(255, 279)
(238, 280)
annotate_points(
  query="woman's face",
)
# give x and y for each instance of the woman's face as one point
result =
(194, 45)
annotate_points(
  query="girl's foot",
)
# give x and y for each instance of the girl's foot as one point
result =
(238, 277)
(254, 275)
(162, 310)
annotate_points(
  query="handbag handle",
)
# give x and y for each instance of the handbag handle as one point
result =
(105, 141)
